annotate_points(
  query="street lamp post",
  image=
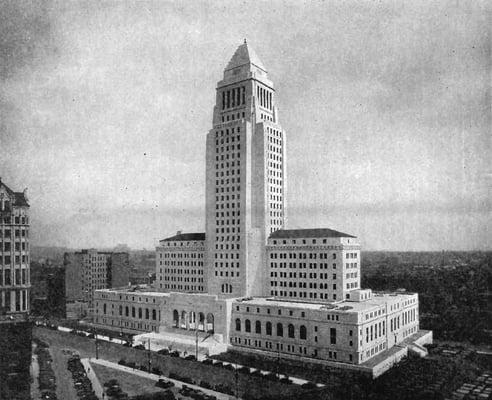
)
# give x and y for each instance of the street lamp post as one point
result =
(149, 362)
(196, 341)
(95, 336)
(236, 376)
(278, 361)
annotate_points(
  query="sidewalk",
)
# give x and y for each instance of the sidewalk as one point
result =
(154, 377)
(96, 385)
(34, 369)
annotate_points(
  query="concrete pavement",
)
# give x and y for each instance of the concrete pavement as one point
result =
(34, 369)
(96, 385)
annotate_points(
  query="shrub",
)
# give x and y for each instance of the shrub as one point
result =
(205, 384)
(122, 362)
(111, 382)
(256, 373)
(224, 389)
(229, 367)
(271, 376)
(244, 370)
(308, 385)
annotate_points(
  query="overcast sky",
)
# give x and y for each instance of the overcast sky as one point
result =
(104, 110)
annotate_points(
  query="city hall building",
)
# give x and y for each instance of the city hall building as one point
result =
(253, 284)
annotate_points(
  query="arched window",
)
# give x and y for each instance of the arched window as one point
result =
(147, 313)
(126, 311)
(269, 328)
(154, 315)
(176, 318)
(120, 310)
(258, 327)
(139, 313)
(210, 323)
(280, 329)
(133, 312)
(201, 321)
(104, 308)
(238, 324)
(291, 331)
(303, 332)
(247, 325)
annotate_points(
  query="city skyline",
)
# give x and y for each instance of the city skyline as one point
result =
(386, 118)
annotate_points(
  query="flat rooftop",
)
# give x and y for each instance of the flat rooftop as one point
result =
(377, 300)
(136, 290)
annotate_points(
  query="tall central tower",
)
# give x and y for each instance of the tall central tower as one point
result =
(245, 178)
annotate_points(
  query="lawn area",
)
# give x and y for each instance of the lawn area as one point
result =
(248, 386)
(131, 384)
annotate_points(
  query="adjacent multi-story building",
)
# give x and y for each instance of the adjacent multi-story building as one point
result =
(313, 264)
(90, 270)
(14, 253)
(15, 328)
(259, 287)
(180, 263)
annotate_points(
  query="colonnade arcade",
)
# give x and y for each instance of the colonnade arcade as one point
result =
(191, 320)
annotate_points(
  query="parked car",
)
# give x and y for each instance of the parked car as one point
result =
(163, 383)
(174, 353)
(185, 390)
(191, 357)
(139, 347)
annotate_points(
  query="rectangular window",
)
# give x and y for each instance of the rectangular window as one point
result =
(333, 336)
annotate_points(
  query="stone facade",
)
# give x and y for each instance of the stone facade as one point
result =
(14, 253)
(350, 332)
(313, 264)
(15, 287)
(253, 284)
(245, 177)
(131, 310)
(180, 264)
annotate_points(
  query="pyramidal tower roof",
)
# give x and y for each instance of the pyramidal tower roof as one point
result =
(245, 55)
